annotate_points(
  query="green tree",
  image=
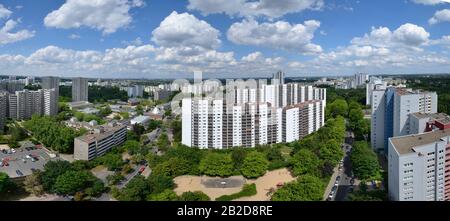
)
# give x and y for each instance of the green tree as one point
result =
(166, 195)
(163, 142)
(338, 107)
(217, 164)
(274, 154)
(173, 167)
(194, 196)
(136, 190)
(5, 183)
(255, 165)
(364, 161)
(160, 182)
(52, 170)
(238, 155)
(305, 188)
(33, 183)
(305, 162)
(73, 181)
(113, 161)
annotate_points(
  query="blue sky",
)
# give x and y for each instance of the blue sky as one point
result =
(223, 38)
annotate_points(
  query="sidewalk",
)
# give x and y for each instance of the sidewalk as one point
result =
(331, 183)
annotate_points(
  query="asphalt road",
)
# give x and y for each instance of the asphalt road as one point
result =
(345, 185)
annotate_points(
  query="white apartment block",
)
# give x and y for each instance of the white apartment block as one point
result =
(96, 144)
(419, 167)
(407, 102)
(210, 123)
(392, 108)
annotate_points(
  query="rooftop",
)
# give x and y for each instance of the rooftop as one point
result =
(108, 130)
(406, 144)
(440, 117)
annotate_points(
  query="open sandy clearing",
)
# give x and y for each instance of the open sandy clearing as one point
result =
(266, 182)
(263, 185)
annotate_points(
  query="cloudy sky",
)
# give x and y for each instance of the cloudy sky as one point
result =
(223, 38)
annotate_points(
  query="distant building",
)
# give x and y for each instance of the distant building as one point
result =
(11, 86)
(135, 91)
(24, 104)
(140, 120)
(161, 95)
(50, 83)
(418, 167)
(96, 144)
(79, 105)
(80, 89)
(3, 109)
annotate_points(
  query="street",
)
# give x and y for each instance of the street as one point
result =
(342, 175)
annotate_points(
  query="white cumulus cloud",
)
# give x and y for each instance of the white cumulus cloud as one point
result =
(4, 12)
(185, 30)
(9, 35)
(280, 34)
(244, 8)
(431, 2)
(440, 16)
(104, 15)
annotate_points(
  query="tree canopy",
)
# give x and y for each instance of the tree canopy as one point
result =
(217, 164)
(255, 165)
(305, 188)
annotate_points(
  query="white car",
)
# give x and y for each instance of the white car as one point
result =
(13, 150)
(28, 156)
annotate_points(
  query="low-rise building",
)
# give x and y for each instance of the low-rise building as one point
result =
(97, 143)
(79, 105)
(141, 120)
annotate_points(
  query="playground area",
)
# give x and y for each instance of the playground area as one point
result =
(215, 187)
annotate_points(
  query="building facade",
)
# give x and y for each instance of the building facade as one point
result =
(391, 111)
(419, 167)
(80, 89)
(96, 144)
(24, 104)
(253, 114)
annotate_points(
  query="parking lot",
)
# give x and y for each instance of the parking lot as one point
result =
(22, 161)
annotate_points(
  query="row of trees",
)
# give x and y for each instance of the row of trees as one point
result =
(52, 133)
(312, 161)
(96, 93)
(181, 160)
(365, 161)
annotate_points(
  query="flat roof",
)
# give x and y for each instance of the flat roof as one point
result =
(108, 131)
(406, 144)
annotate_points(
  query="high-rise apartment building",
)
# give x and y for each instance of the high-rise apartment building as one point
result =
(419, 166)
(50, 83)
(79, 89)
(253, 114)
(278, 78)
(3, 109)
(23, 104)
(391, 110)
(135, 91)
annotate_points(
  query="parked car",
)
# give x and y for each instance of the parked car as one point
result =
(4, 151)
(13, 150)
(33, 170)
(28, 156)
(352, 181)
(19, 173)
(141, 169)
(338, 178)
